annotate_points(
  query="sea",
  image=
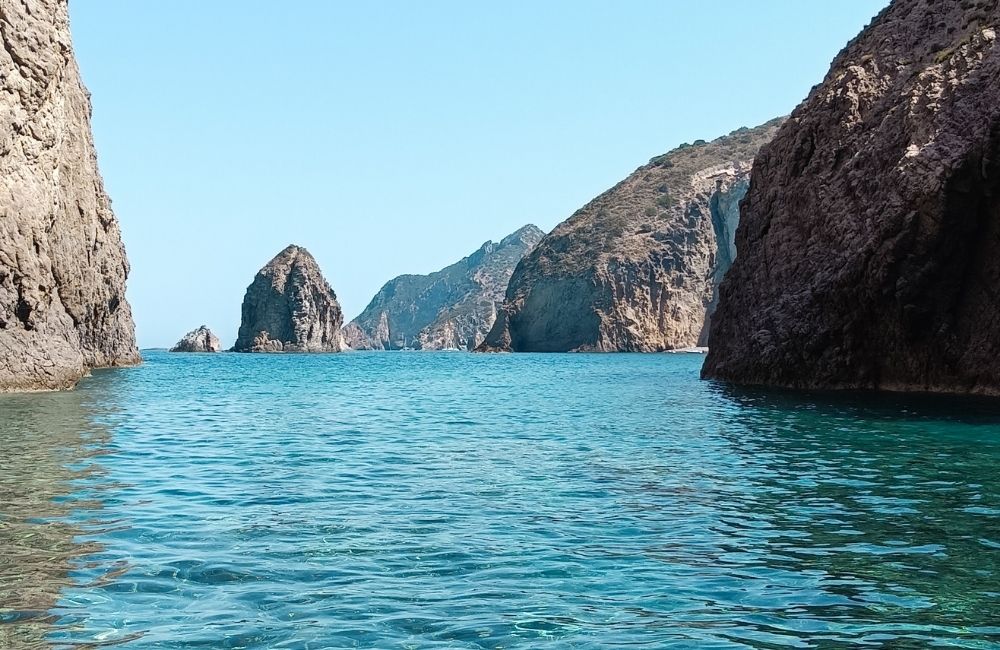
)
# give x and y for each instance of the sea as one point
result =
(455, 500)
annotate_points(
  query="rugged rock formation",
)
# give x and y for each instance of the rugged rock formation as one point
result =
(290, 307)
(62, 264)
(870, 235)
(199, 340)
(452, 308)
(635, 269)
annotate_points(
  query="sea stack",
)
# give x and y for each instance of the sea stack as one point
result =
(290, 307)
(452, 308)
(868, 248)
(636, 269)
(199, 340)
(62, 264)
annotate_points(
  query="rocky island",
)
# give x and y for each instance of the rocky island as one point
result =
(290, 307)
(637, 268)
(868, 244)
(199, 340)
(62, 264)
(452, 308)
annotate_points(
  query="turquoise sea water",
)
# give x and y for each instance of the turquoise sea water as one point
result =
(436, 500)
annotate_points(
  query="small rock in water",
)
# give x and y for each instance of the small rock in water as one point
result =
(199, 340)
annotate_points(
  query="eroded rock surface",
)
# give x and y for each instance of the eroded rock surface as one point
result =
(870, 236)
(290, 307)
(199, 340)
(637, 268)
(62, 264)
(452, 308)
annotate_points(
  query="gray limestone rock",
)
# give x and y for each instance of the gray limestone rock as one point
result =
(290, 307)
(637, 268)
(199, 340)
(452, 308)
(62, 264)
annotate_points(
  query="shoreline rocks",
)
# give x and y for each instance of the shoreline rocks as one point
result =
(290, 307)
(63, 268)
(637, 268)
(450, 309)
(868, 240)
(198, 340)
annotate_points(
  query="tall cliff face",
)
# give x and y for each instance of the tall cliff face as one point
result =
(290, 307)
(451, 308)
(870, 235)
(636, 269)
(62, 264)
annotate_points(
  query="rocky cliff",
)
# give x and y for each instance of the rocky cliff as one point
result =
(290, 307)
(635, 269)
(450, 309)
(199, 340)
(870, 236)
(62, 264)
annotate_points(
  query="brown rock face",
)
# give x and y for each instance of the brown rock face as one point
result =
(870, 235)
(636, 269)
(62, 263)
(290, 307)
(199, 340)
(452, 308)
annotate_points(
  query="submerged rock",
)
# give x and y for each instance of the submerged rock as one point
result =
(290, 307)
(62, 264)
(636, 269)
(452, 308)
(199, 340)
(870, 236)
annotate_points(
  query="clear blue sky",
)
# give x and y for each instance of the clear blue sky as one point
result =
(396, 137)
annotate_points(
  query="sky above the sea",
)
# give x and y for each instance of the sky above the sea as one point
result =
(397, 137)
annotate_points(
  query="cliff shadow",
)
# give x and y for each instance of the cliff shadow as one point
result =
(867, 405)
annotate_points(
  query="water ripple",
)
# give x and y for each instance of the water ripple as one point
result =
(466, 501)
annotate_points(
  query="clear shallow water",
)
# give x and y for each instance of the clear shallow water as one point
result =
(465, 501)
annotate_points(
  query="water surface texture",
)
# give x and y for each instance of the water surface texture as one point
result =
(436, 500)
